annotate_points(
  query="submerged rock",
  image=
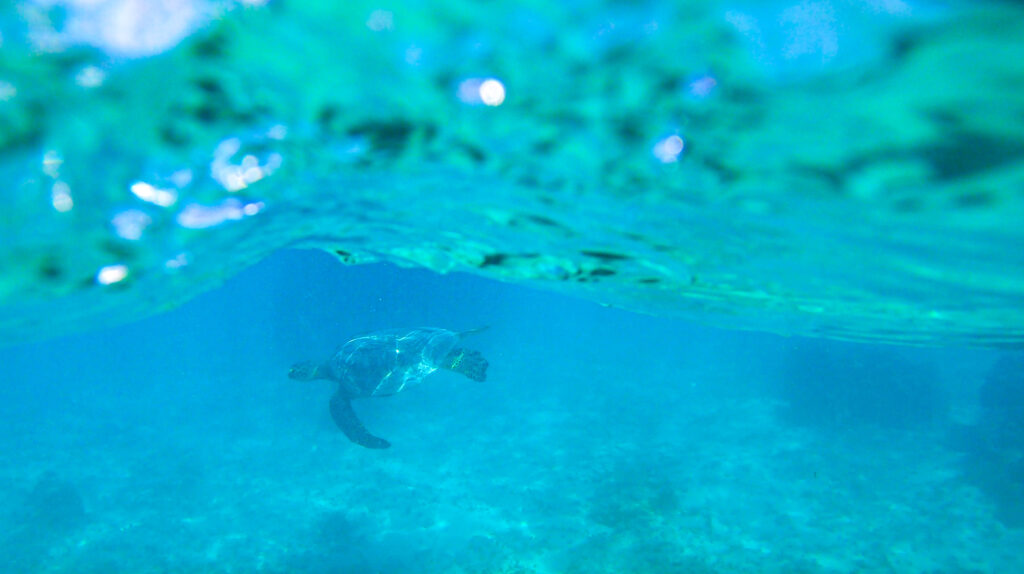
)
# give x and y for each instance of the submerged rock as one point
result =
(993, 447)
(54, 505)
(839, 169)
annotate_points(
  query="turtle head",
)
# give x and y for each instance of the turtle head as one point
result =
(467, 362)
(305, 371)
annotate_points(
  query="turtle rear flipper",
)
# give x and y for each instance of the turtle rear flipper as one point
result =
(345, 418)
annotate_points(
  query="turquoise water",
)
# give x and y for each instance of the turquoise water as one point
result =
(602, 441)
(747, 277)
(840, 168)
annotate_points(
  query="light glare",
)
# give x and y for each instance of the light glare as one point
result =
(669, 149)
(236, 177)
(111, 274)
(486, 91)
(492, 92)
(155, 195)
(60, 197)
(130, 224)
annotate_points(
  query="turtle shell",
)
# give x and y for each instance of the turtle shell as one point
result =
(386, 362)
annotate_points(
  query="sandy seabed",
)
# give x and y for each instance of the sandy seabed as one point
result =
(487, 483)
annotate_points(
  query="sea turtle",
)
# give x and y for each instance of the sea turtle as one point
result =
(384, 363)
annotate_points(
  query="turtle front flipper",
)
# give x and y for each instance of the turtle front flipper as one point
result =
(345, 418)
(467, 362)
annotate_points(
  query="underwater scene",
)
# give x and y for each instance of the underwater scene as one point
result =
(599, 441)
(706, 286)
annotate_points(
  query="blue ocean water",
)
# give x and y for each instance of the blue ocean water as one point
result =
(841, 169)
(601, 441)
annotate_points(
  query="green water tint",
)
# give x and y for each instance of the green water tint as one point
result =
(689, 160)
